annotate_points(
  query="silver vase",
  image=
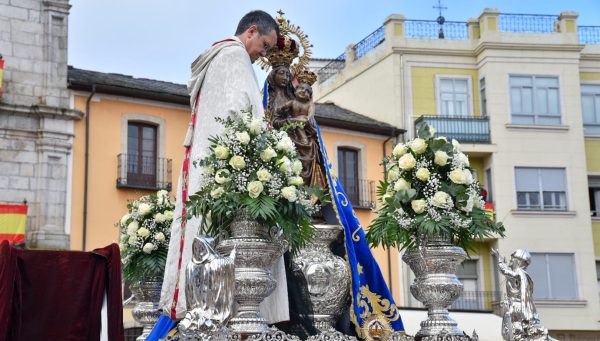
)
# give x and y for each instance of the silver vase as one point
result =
(327, 277)
(256, 253)
(146, 311)
(434, 264)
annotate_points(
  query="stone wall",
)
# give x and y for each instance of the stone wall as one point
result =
(36, 123)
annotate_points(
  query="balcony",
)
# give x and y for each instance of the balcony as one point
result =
(149, 173)
(479, 301)
(465, 129)
(360, 192)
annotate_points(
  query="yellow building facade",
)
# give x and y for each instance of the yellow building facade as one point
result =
(522, 95)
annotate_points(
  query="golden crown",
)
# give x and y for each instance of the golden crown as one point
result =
(284, 52)
(306, 76)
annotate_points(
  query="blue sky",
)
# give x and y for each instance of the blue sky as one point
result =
(159, 39)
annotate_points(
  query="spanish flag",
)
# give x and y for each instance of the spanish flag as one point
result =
(12, 223)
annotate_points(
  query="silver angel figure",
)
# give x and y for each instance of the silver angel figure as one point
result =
(210, 285)
(520, 319)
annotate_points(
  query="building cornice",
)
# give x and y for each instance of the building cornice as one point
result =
(528, 47)
(41, 111)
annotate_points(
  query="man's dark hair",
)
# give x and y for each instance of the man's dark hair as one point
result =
(263, 21)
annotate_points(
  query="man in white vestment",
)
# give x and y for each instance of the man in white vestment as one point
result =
(223, 83)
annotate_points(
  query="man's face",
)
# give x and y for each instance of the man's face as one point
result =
(258, 44)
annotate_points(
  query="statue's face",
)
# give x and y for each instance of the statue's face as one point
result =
(303, 92)
(282, 77)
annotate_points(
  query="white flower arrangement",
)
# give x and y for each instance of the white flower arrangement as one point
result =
(429, 190)
(144, 236)
(253, 167)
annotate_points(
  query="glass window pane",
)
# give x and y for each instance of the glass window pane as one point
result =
(515, 100)
(468, 269)
(446, 84)
(587, 106)
(541, 96)
(527, 179)
(523, 119)
(546, 82)
(598, 270)
(527, 99)
(590, 88)
(539, 274)
(460, 85)
(534, 200)
(521, 81)
(597, 108)
(562, 277)
(461, 105)
(553, 107)
(548, 120)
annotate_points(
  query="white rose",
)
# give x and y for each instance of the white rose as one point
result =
(143, 232)
(255, 126)
(159, 236)
(422, 174)
(284, 164)
(254, 188)
(237, 162)
(457, 176)
(162, 193)
(268, 154)
(418, 205)
(407, 162)
(131, 240)
(289, 193)
(295, 180)
(463, 159)
(418, 145)
(386, 196)
(168, 215)
(221, 152)
(297, 167)
(208, 169)
(393, 174)
(123, 246)
(456, 145)
(401, 184)
(217, 192)
(440, 199)
(468, 176)
(441, 158)
(148, 248)
(243, 137)
(159, 218)
(399, 150)
(125, 218)
(263, 175)
(132, 228)
(222, 176)
(144, 209)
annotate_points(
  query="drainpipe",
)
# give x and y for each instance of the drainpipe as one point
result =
(389, 251)
(86, 165)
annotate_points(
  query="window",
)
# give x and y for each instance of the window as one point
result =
(471, 298)
(453, 96)
(489, 189)
(482, 97)
(553, 275)
(595, 201)
(534, 100)
(348, 172)
(598, 276)
(141, 154)
(590, 107)
(541, 189)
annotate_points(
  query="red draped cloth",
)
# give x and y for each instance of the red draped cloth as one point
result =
(57, 295)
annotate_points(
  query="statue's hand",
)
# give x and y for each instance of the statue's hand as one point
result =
(494, 252)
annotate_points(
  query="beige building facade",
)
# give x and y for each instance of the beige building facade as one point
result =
(522, 95)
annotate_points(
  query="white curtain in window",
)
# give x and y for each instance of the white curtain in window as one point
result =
(527, 179)
(553, 180)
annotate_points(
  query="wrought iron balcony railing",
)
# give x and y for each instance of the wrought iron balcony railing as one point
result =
(134, 171)
(369, 42)
(467, 129)
(588, 34)
(360, 192)
(532, 23)
(430, 29)
(480, 301)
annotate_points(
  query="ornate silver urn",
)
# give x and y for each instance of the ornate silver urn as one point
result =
(327, 277)
(146, 311)
(256, 253)
(434, 264)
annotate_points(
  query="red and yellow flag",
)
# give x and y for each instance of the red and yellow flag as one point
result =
(12, 223)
